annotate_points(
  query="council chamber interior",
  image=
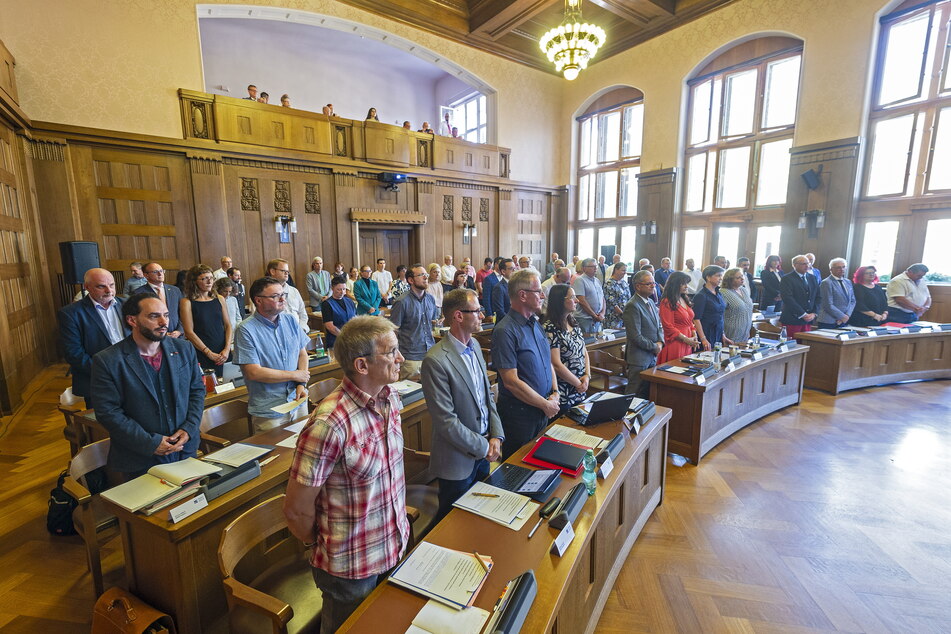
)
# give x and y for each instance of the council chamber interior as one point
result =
(814, 495)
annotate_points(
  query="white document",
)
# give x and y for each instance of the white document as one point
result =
(290, 441)
(448, 576)
(406, 387)
(289, 407)
(574, 435)
(160, 481)
(436, 618)
(500, 506)
(237, 454)
(297, 427)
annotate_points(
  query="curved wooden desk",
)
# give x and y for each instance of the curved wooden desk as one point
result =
(572, 589)
(705, 415)
(835, 365)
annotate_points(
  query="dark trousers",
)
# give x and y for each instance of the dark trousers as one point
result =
(452, 490)
(340, 597)
(521, 423)
(635, 384)
(900, 317)
(833, 325)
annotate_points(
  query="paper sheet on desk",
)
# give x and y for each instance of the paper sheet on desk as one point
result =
(574, 436)
(449, 576)
(508, 509)
(406, 386)
(436, 618)
(287, 408)
(237, 454)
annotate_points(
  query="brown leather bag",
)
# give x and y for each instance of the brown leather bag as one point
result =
(118, 612)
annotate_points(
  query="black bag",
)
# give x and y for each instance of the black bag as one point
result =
(59, 514)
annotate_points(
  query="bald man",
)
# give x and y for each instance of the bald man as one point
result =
(90, 325)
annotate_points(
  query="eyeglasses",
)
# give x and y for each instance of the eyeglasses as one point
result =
(281, 270)
(391, 354)
(531, 290)
(275, 297)
(477, 310)
(155, 271)
(646, 284)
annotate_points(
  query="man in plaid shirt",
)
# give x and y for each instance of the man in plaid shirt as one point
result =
(346, 497)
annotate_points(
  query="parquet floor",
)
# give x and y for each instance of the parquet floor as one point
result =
(830, 517)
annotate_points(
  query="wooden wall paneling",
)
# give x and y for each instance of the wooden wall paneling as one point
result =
(428, 203)
(346, 197)
(212, 218)
(656, 194)
(388, 144)
(557, 227)
(531, 221)
(839, 163)
(24, 320)
(507, 242)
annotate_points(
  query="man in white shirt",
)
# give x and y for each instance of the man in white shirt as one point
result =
(225, 265)
(696, 277)
(562, 275)
(280, 270)
(525, 262)
(383, 279)
(610, 270)
(447, 271)
(908, 295)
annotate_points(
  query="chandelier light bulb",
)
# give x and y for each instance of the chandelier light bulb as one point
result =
(572, 44)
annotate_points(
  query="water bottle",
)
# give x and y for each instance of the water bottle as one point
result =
(782, 336)
(755, 341)
(590, 475)
(319, 346)
(717, 348)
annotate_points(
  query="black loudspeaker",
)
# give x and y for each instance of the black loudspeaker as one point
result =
(78, 257)
(812, 178)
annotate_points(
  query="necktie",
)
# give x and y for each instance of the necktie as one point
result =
(160, 291)
(841, 284)
(805, 282)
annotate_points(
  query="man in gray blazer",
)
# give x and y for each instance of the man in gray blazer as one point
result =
(645, 334)
(467, 432)
(149, 392)
(836, 297)
(169, 294)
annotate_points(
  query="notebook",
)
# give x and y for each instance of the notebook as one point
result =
(161, 480)
(551, 454)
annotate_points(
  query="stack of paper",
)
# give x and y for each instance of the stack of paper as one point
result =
(449, 576)
(502, 507)
(436, 618)
(406, 387)
(574, 435)
(237, 454)
(295, 429)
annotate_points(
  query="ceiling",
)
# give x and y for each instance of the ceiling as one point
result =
(512, 28)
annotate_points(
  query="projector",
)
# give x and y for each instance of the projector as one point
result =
(392, 180)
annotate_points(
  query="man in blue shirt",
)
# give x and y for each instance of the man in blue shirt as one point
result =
(270, 347)
(415, 314)
(528, 396)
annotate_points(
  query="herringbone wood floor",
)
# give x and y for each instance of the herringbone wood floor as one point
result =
(830, 517)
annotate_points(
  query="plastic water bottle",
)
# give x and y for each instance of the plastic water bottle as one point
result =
(717, 348)
(590, 475)
(319, 346)
(782, 336)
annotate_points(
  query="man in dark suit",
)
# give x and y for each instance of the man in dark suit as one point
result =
(467, 433)
(645, 333)
(155, 274)
(800, 292)
(500, 291)
(89, 326)
(149, 392)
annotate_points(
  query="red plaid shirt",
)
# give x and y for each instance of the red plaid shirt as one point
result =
(352, 449)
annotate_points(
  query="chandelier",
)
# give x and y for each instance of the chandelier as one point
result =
(573, 43)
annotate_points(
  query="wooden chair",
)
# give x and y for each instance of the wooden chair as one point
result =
(266, 577)
(608, 372)
(422, 500)
(232, 413)
(768, 330)
(90, 518)
(321, 390)
(81, 430)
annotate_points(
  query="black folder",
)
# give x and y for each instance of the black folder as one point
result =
(560, 454)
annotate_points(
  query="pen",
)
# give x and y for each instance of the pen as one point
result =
(268, 460)
(485, 495)
(481, 561)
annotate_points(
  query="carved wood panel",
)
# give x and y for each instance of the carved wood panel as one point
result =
(531, 217)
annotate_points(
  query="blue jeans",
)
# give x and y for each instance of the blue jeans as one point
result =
(340, 597)
(899, 316)
(452, 490)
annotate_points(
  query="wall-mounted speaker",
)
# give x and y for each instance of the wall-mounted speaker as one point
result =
(812, 178)
(78, 257)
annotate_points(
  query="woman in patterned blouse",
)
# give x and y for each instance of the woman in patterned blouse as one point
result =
(569, 357)
(616, 295)
(400, 285)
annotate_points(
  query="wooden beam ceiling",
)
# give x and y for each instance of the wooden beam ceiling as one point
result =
(512, 28)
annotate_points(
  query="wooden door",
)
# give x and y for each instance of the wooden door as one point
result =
(391, 244)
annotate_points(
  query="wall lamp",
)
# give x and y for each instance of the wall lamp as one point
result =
(285, 221)
(469, 232)
(649, 228)
(812, 220)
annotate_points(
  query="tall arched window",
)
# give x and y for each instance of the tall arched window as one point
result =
(740, 122)
(905, 213)
(610, 132)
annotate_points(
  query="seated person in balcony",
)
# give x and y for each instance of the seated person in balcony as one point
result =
(371, 115)
(455, 133)
(263, 98)
(149, 391)
(329, 110)
(445, 127)
(407, 125)
(252, 93)
(426, 128)
(285, 101)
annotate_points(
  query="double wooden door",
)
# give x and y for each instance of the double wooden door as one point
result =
(391, 244)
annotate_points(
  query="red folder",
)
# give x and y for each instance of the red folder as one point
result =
(530, 457)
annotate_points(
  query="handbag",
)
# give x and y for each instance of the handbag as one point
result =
(119, 612)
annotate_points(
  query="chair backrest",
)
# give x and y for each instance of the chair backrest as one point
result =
(248, 530)
(606, 360)
(321, 389)
(89, 458)
(223, 414)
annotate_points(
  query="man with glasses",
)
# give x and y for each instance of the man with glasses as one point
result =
(467, 433)
(590, 295)
(280, 270)
(271, 350)
(169, 294)
(346, 495)
(500, 290)
(415, 314)
(528, 395)
(645, 334)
